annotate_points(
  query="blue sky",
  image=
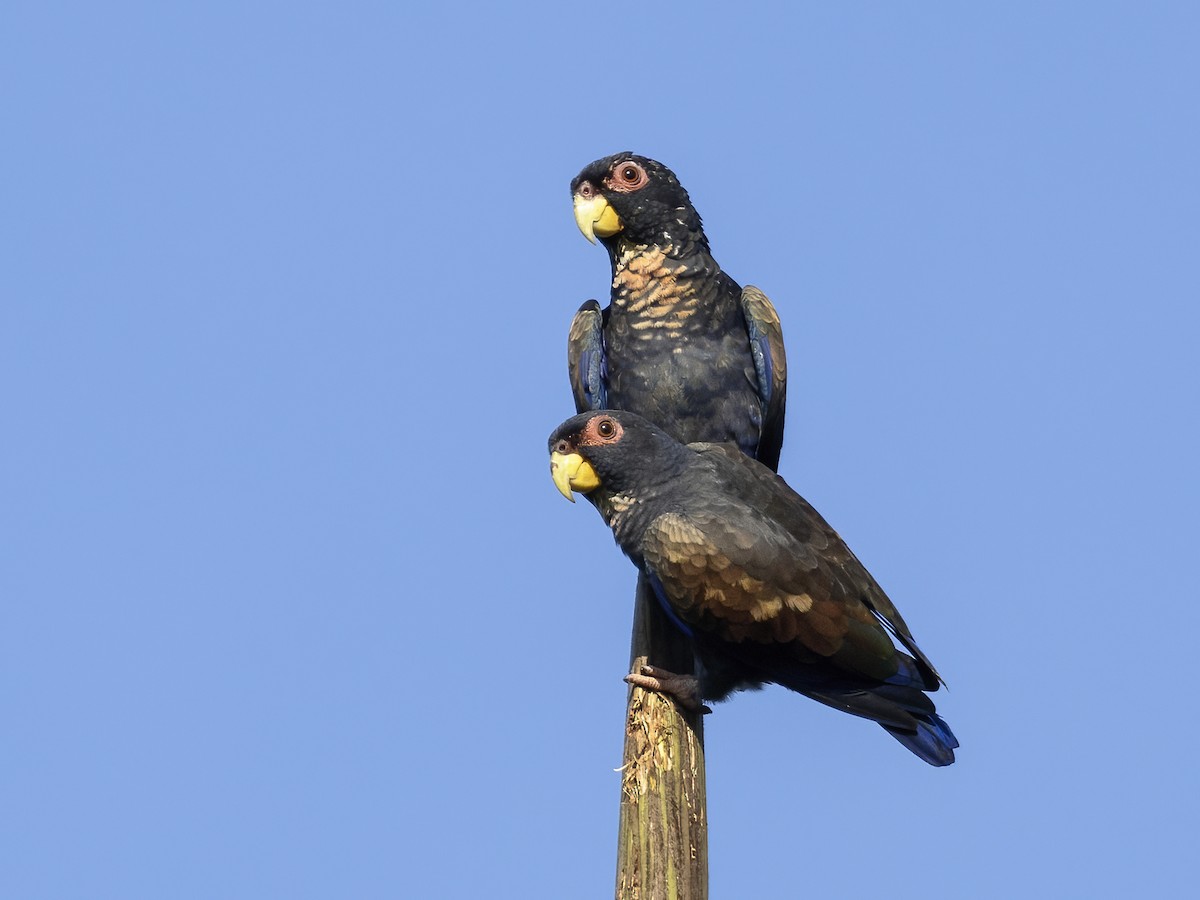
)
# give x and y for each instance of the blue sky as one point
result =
(291, 607)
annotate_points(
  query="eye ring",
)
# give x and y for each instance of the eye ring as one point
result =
(627, 176)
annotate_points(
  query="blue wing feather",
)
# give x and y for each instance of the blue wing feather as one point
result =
(586, 360)
(661, 594)
(770, 369)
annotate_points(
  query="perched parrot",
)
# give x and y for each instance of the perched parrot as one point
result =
(765, 588)
(680, 342)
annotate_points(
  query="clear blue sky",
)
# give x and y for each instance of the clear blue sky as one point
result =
(290, 605)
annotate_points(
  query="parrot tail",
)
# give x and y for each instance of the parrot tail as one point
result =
(901, 706)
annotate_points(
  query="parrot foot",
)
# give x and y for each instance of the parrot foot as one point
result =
(684, 688)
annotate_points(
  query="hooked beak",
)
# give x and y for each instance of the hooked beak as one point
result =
(570, 470)
(596, 218)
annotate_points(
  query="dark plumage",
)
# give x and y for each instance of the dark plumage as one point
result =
(681, 342)
(741, 562)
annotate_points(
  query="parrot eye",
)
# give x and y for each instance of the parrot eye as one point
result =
(628, 176)
(606, 428)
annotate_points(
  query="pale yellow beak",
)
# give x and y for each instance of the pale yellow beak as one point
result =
(570, 470)
(596, 218)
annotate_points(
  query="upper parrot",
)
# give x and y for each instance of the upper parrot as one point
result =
(680, 343)
(766, 589)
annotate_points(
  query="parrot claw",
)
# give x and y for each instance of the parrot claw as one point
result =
(684, 688)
